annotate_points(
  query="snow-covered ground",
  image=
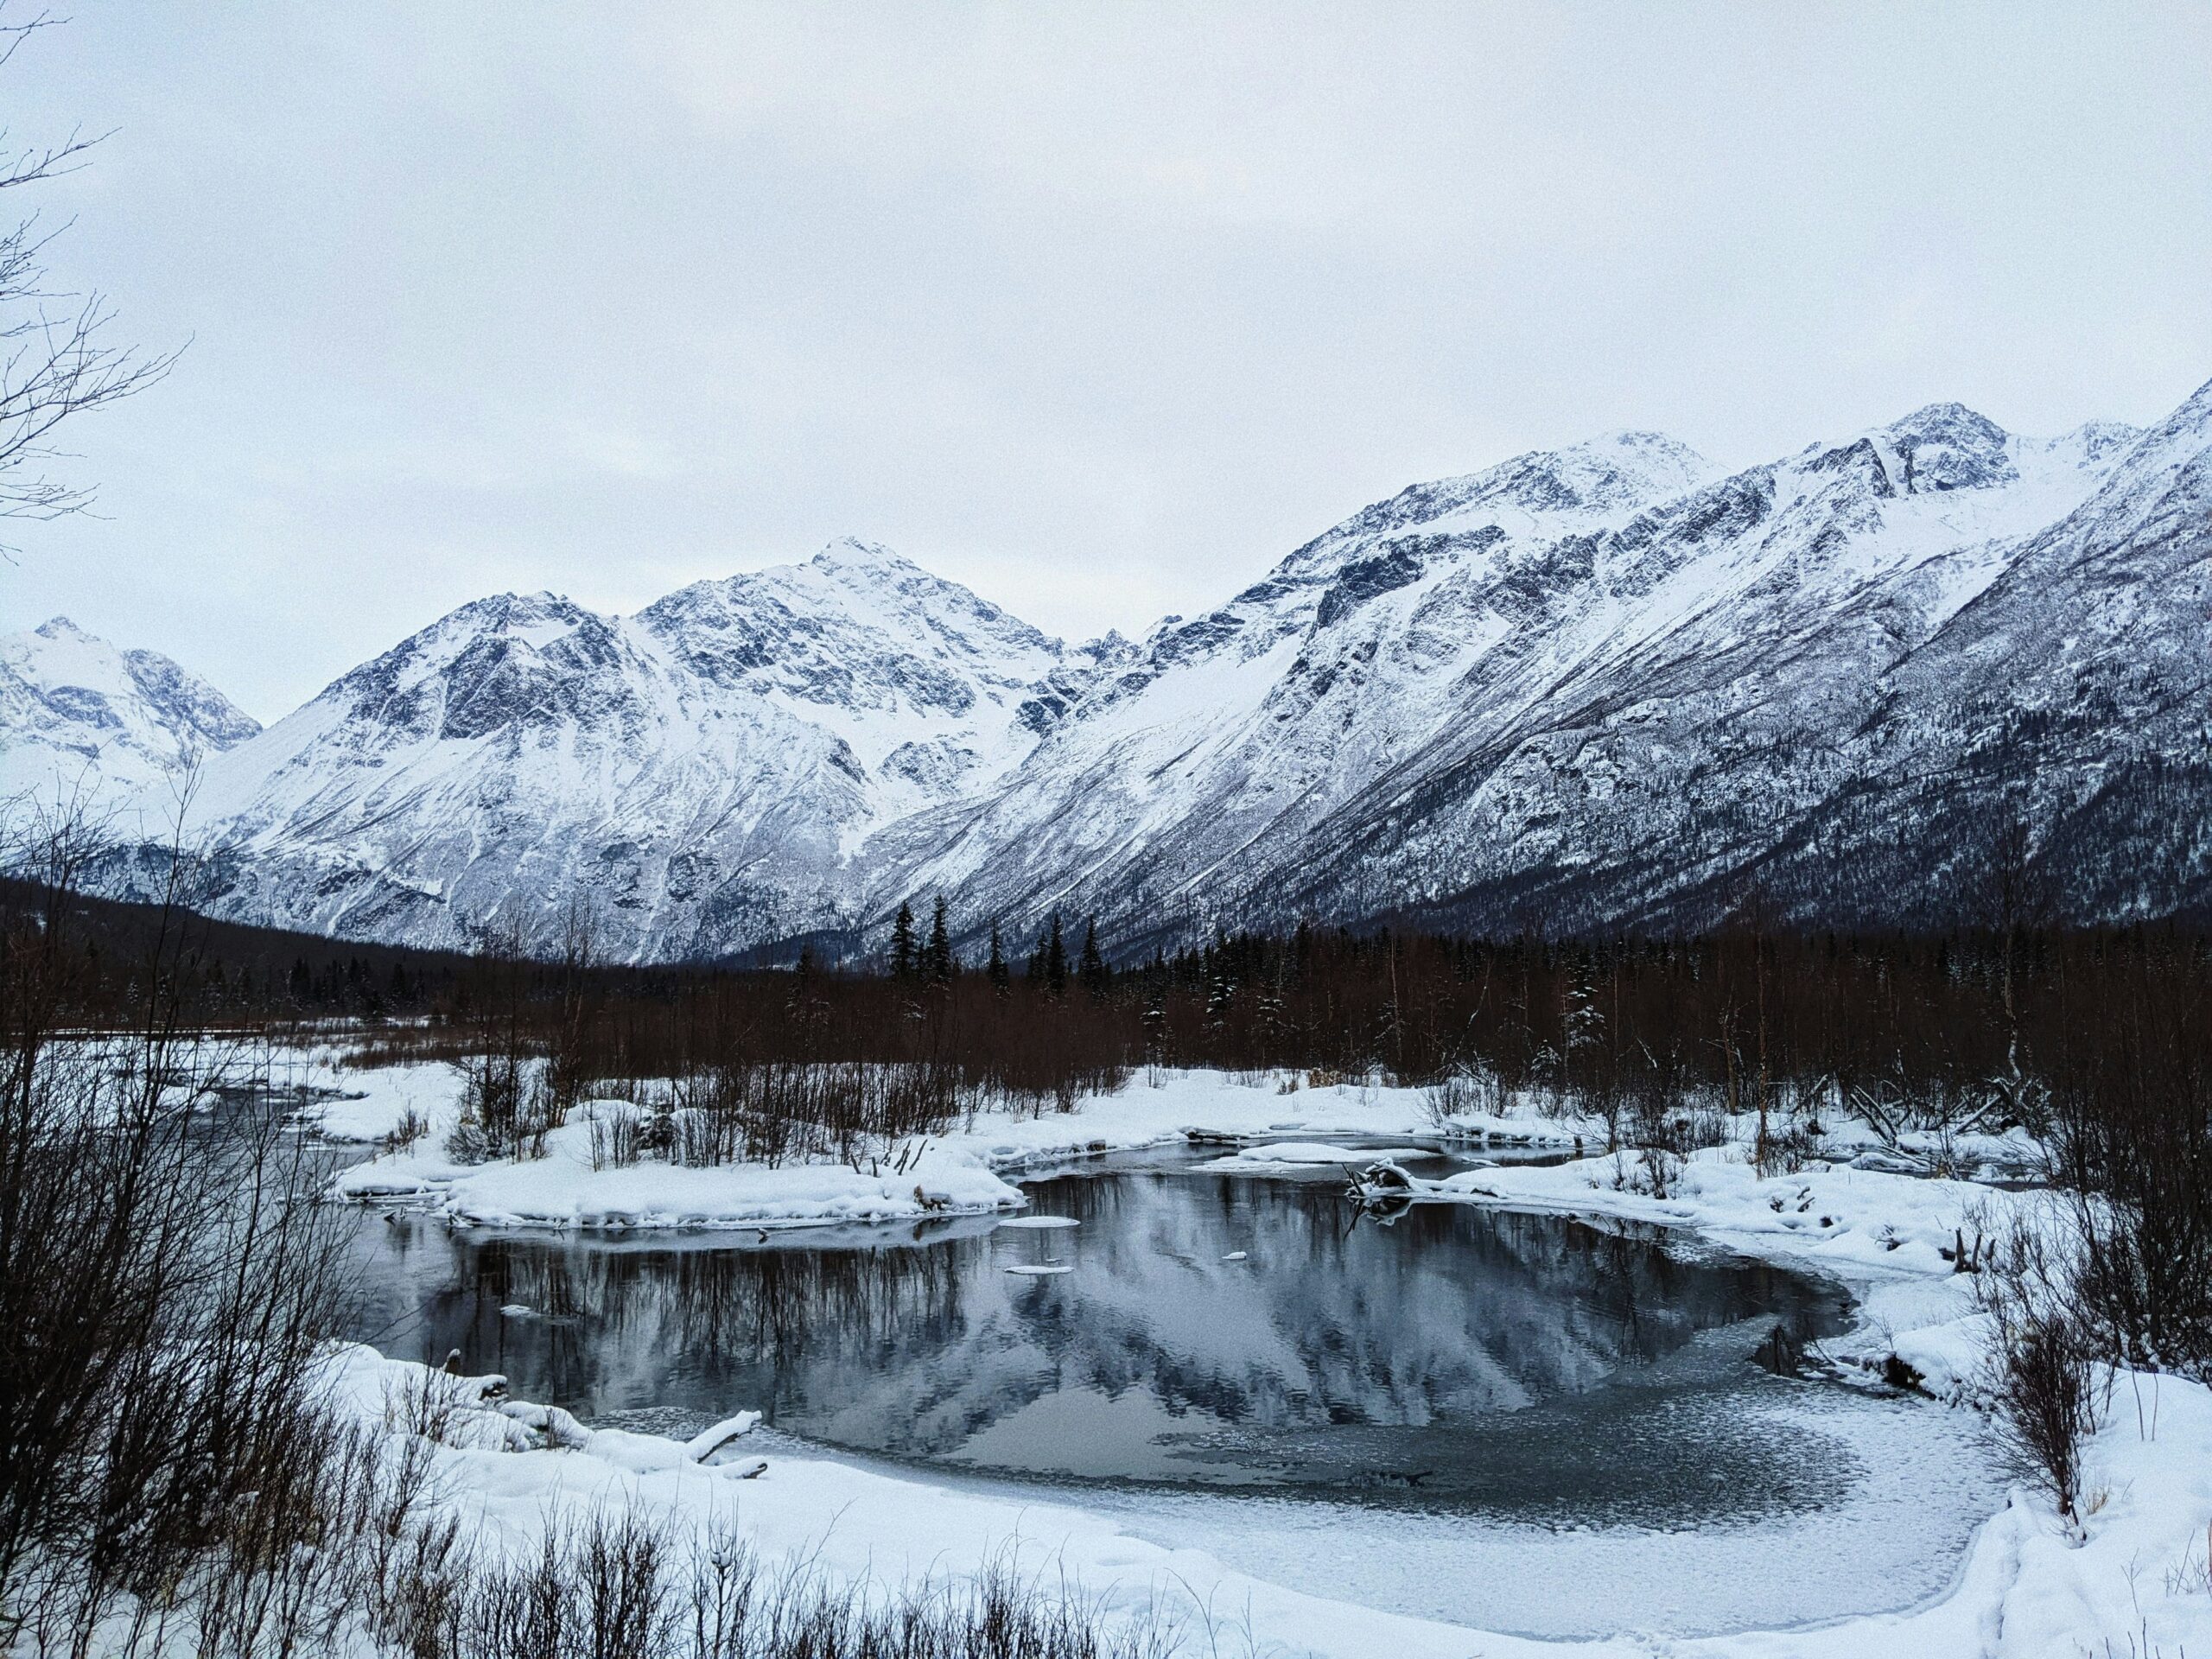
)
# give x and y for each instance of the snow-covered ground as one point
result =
(2138, 1574)
(960, 1172)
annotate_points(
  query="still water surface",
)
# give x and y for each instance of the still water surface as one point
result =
(1192, 1329)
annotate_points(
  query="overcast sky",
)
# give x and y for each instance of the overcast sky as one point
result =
(1100, 309)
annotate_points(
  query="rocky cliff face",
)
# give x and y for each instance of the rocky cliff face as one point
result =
(1575, 693)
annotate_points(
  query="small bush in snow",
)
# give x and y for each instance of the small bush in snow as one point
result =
(2043, 1361)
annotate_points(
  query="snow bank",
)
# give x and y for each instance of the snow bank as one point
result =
(563, 1190)
(367, 1105)
(1829, 1215)
(1294, 1155)
(514, 1469)
(957, 1174)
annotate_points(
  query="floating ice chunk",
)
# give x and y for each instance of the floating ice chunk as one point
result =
(1040, 1269)
(1040, 1221)
(519, 1311)
(1234, 1255)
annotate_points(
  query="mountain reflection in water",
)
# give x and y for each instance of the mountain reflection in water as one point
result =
(1458, 1355)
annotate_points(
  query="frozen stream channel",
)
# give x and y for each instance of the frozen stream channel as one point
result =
(1524, 1422)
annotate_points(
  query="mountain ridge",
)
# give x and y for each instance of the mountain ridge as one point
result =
(1601, 687)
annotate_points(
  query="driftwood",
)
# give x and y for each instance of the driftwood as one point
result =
(1381, 1191)
(1965, 1257)
(1380, 1179)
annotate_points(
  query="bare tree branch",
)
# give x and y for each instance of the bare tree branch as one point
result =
(57, 359)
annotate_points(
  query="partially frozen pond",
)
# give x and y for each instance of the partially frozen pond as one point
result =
(1524, 1420)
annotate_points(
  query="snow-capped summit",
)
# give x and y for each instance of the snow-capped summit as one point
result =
(700, 770)
(84, 722)
(1584, 689)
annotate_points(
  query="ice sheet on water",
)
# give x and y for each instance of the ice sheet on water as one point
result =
(1891, 1539)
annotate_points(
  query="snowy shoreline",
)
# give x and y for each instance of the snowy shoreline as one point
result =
(2022, 1587)
(961, 1172)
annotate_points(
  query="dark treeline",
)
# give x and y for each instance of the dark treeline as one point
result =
(1986, 1022)
(217, 972)
(1968, 1030)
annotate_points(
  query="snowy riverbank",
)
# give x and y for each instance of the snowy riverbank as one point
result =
(2023, 1586)
(509, 1470)
(960, 1172)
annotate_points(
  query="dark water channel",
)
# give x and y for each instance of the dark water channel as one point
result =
(1194, 1329)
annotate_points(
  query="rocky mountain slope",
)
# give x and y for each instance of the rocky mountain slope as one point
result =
(83, 721)
(1930, 673)
(1596, 689)
(698, 776)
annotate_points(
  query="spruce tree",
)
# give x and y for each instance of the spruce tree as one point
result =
(1093, 969)
(940, 959)
(902, 943)
(1055, 958)
(999, 977)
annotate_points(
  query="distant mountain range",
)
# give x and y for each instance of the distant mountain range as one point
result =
(1932, 672)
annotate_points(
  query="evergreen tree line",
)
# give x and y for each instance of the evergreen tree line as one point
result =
(934, 961)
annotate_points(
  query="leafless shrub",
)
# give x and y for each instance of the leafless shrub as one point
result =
(775, 1112)
(617, 1133)
(2192, 1574)
(1465, 1091)
(600, 1589)
(2132, 1137)
(620, 1585)
(1798, 1144)
(164, 1286)
(2043, 1369)
(411, 1127)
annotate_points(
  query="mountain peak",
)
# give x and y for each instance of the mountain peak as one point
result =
(852, 553)
(1949, 422)
(1620, 469)
(1939, 446)
(539, 616)
(1606, 480)
(79, 711)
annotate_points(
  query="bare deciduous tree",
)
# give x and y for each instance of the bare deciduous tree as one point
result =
(57, 356)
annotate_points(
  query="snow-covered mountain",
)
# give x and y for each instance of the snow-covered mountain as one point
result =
(84, 724)
(1584, 689)
(1896, 679)
(700, 774)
